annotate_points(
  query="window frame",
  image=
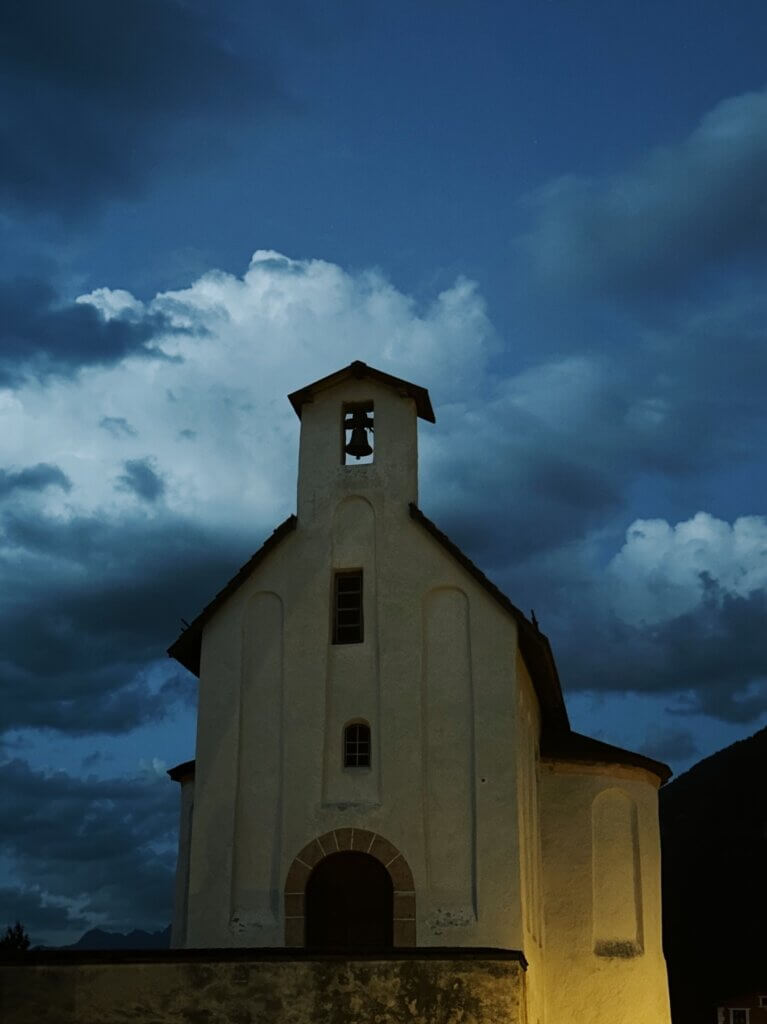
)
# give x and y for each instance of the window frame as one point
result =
(358, 724)
(348, 409)
(341, 632)
(739, 1009)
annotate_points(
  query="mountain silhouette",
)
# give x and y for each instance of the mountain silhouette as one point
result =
(137, 939)
(714, 837)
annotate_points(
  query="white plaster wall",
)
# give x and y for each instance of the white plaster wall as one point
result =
(181, 886)
(503, 849)
(587, 894)
(256, 862)
(357, 517)
(531, 867)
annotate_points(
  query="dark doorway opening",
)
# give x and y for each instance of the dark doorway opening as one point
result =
(350, 903)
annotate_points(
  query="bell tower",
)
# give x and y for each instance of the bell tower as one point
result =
(358, 437)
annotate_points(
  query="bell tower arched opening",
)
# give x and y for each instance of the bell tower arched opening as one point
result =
(350, 903)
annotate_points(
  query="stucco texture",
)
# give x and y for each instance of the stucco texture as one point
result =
(505, 850)
(242, 991)
(434, 677)
(601, 853)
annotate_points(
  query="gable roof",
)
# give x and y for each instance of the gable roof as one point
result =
(576, 748)
(186, 648)
(534, 645)
(558, 742)
(361, 371)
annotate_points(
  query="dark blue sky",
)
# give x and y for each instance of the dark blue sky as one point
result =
(551, 214)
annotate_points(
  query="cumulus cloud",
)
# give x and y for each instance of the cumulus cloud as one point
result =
(41, 335)
(101, 579)
(678, 610)
(687, 208)
(664, 570)
(97, 581)
(174, 469)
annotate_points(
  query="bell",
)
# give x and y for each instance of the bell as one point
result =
(358, 443)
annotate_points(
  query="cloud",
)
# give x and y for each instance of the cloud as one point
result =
(98, 94)
(670, 744)
(140, 478)
(117, 426)
(531, 471)
(89, 606)
(33, 478)
(41, 335)
(685, 210)
(677, 610)
(87, 852)
(665, 570)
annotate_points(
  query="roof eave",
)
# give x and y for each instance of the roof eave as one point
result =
(186, 648)
(360, 371)
(534, 645)
(576, 748)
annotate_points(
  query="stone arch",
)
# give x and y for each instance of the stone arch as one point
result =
(361, 841)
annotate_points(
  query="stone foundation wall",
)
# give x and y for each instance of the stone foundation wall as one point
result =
(263, 987)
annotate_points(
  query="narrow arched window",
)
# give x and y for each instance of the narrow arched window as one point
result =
(357, 745)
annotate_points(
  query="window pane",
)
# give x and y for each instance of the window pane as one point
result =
(349, 581)
(357, 746)
(347, 608)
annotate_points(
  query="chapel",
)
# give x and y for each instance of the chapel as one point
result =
(384, 762)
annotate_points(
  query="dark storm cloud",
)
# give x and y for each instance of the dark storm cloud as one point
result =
(88, 605)
(688, 209)
(107, 844)
(41, 335)
(39, 916)
(117, 426)
(96, 94)
(540, 499)
(561, 449)
(33, 478)
(714, 653)
(140, 478)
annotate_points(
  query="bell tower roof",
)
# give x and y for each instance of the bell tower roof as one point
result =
(361, 371)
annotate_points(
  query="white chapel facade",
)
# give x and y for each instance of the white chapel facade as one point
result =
(384, 758)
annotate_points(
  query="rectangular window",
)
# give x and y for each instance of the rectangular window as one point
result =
(739, 1016)
(347, 611)
(357, 745)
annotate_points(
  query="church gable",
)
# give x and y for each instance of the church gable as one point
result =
(186, 649)
(383, 751)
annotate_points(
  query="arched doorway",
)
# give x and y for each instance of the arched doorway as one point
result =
(357, 840)
(350, 903)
